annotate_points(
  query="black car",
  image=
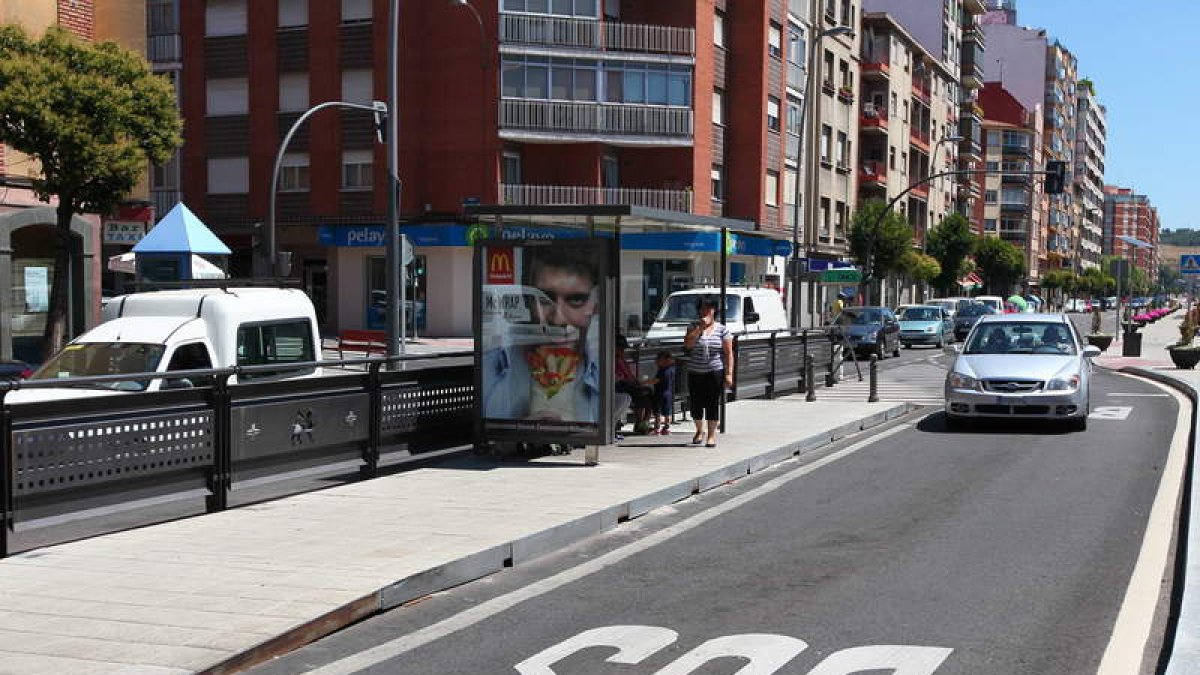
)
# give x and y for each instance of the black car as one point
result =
(967, 317)
(870, 330)
(12, 369)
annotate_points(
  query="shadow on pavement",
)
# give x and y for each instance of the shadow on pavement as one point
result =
(936, 423)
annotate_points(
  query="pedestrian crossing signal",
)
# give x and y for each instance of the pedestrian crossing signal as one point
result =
(1189, 264)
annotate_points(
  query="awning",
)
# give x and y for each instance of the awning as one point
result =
(201, 268)
(972, 280)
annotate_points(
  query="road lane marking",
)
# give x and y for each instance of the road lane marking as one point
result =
(485, 610)
(1126, 648)
(1113, 393)
(1111, 412)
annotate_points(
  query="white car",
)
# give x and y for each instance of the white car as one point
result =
(1021, 366)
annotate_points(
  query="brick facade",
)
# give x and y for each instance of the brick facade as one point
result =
(79, 17)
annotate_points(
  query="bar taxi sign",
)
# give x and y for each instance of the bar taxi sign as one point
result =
(1189, 264)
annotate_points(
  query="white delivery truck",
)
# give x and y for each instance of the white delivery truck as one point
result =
(747, 310)
(174, 330)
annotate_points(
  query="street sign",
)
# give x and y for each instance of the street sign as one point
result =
(847, 275)
(1189, 264)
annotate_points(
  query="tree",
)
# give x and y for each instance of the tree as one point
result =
(92, 115)
(1052, 280)
(919, 266)
(950, 242)
(1002, 263)
(879, 238)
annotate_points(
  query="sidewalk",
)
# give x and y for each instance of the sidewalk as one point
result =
(1155, 339)
(228, 589)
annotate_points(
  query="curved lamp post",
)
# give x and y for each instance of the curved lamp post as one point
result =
(812, 65)
(377, 107)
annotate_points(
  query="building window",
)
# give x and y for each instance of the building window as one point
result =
(772, 113)
(796, 48)
(793, 116)
(828, 79)
(989, 196)
(989, 224)
(225, 17)
(718, 115)
(826, 140)
(162, 17)
(771, 188)
(843, 150)
(293, 172)
(844, 74)
(293, 13)
(566, 79)
(293, 92)
(825, 216)
(840, 223)
(847, 13)
(892, 158)
(358, 169)
(993, 139)
(510, 168)
(228, 175)
(354, 11)
(588, 9)
(718, 182)
(789, 187)
(719, 29)
(610, 171)
(165, 176)
(227, 96)
(775, 40)
(357, 86)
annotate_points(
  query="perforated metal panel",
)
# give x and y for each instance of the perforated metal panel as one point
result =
(83, 455)
(427, 404)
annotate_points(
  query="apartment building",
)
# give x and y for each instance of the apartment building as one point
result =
(1091, 133)
(947, 31)
(1014, 204)
(682, 107)
(907, 130)
(1129, 214)
(28, 240)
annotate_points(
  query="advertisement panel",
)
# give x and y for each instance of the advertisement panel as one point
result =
(543, 336)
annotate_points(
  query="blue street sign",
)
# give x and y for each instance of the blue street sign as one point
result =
(1189, 264)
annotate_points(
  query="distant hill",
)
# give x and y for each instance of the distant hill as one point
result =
(1180, 237)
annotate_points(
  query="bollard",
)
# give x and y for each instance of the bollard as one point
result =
(591, 455)
(809, 378)
(873, 396)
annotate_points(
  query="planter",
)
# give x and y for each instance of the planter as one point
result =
(1131, 344)
(1184, 358)
(1100, 341)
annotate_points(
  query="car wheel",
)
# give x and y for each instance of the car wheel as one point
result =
(954, 423)
(908, 345)
(1078, 423)
(896, 351)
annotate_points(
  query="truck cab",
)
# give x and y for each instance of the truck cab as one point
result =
(747, 310)
(193, 329)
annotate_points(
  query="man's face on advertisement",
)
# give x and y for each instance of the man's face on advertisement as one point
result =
(569, 299)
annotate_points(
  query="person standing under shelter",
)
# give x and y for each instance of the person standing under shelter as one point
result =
(709, 367)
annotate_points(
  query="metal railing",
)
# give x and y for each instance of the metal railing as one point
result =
(579, 118)
(591, 34)
(164, 48)
(670, 200)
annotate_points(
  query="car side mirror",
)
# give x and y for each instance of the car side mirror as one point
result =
(1091, 352)
(752, 317)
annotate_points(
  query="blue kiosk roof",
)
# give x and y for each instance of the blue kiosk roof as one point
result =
(180, 231)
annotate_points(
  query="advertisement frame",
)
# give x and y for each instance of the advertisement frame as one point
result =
(603, 253)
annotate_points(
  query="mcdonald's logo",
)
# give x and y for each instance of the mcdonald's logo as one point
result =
(500, 266)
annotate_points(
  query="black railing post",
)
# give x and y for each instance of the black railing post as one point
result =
(370, 467)
(831, 376)
(810, 378)
(8, 471)
(771, 373)
(873, 392)
(220, 478)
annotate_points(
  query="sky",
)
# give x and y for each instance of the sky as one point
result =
(1142, 59)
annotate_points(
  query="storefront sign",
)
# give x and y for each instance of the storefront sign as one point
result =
(500, 266)
(123, 232)
(841, 276)
(376, 235)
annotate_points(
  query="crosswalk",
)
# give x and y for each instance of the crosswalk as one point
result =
(919, 382)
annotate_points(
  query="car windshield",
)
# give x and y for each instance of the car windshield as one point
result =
(1016, 337)
(89, 359)
(861, 316)
(682, 308)
(920, 314)
(974, 310)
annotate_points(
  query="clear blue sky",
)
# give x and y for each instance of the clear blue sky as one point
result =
(1142, 58)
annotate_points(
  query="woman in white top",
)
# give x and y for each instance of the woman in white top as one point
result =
(709, 367)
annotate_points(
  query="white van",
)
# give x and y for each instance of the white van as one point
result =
(747, 310)
(994, 301)
(162, 331)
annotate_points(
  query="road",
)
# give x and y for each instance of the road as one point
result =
(1004, 549)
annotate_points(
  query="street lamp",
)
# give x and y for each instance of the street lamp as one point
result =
(813, 64)
(394, 256)
(934, 167)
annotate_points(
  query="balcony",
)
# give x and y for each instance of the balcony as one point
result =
(548, 31)
(875, 65)
(872, 172)
(563, 121)
(972, 66)
(920, 89)
(974, 6)
(1016, 149)
(874, 118)
(164, 49)
(919, 138)
(1008, 203)
(546, 195)
(921, 191)
(1017, 232)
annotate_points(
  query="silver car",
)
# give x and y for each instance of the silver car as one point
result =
(1030, 366)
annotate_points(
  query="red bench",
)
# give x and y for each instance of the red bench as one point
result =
(369, 342)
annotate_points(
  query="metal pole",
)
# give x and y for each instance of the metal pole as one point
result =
(810, 383)
(393, 259)
(873, 393)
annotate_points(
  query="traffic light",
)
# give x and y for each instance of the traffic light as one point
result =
(1056, 177)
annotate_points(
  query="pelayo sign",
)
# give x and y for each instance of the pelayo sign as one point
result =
(362, 235)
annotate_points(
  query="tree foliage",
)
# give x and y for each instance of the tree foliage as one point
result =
(1001, 263)
(879, 240)
(950, 242)
(919, 266)
(92, 115)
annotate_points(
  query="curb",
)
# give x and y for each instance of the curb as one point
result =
(495, 559)
(1181, 648)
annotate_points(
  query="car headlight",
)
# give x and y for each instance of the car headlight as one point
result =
(1063, 383)
(959, 381)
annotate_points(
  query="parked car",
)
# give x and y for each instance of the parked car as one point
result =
(1078, 305)
(994, 301)
(747, 310)
(1027, 366)
(967, 317)
(13, 369)
(870, 330)
(925, 325)
(951, 305)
